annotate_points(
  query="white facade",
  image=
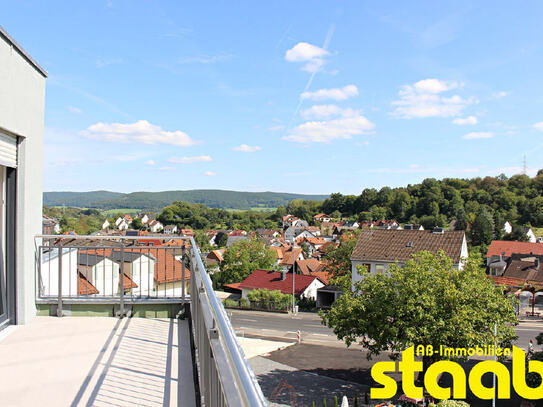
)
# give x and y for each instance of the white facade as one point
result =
(22, 101)
(105, 225)
(48, 278)
(507, 227)
(155, 226)
(531, 235)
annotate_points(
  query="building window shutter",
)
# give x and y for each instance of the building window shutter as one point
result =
(8, 150)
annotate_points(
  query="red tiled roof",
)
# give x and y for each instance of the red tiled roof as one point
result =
(508, 281)
(84, 286)
(309, 266)
(233, 286)
(290, 256)
(215, 255)
(271, 280)
(324, 276)
(498, 247)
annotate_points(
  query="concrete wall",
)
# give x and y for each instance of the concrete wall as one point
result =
(22, 101)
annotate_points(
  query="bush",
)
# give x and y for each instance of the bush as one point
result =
(307, 304)
(269, 299)
(230, 303)
(244, 303)
(452, 403)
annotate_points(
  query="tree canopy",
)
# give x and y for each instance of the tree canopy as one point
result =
(426, 302)
(241, 259)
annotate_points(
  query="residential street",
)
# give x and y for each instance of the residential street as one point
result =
(284, 326)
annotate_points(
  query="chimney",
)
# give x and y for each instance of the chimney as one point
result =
(283, 275)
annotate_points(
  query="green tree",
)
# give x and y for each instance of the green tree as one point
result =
(221, 238)
(426, 302)
(242, 258)
(482, 229)
(338, 258)
(461, 220)
(136, 224)
(517, 235)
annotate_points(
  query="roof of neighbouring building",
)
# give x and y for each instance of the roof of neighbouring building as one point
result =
(392, 245)
(84, 286)
(507, 248)
(271, 280)
(309, 266)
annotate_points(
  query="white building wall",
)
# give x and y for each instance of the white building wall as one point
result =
(105, 277)
(49, 272)
(22, 101)
(311, 290)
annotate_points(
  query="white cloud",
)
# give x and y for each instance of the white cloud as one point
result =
(538, 126)
(499, 95)
(334, 93)
(210, 174)
(247, 149)
(423, 99)
(141, 132)
(478, 135)
(434, 86)
(74, 109)
(313, 56)
(466, 121)
(167, 169)
(150, 162)
(190, 160)
(326, 131)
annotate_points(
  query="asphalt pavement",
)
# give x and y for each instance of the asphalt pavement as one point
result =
(285, 326)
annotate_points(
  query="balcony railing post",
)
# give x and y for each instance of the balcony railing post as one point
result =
(183, 275)
(59, 303)
(121, 284)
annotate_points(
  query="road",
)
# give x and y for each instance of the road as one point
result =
(284, 327)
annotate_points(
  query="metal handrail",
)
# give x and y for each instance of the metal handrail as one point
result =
(219, 332)
(245, 378)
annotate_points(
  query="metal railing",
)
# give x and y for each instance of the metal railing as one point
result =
(121, 270)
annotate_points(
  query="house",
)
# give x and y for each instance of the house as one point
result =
(50, 226)
(314, 229)
(302, 234)
(293, 221)
(148, 217)
(187, 232)
(155, 226)
(121, 223)
(322, 217)
(530, 234)
(215, 257)
(506, 248)
(105, 225)
(170, 229)
(290, 255)
(128, 219)
(507, 227)
(517, 270)
(378, 248)
(22, 100)
(500, 252)
(313, 244)
(48, 279)
(304, 286)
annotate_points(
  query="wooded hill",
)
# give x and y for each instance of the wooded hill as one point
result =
(155, 201)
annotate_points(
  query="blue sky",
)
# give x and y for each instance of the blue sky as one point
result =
(308, 97)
